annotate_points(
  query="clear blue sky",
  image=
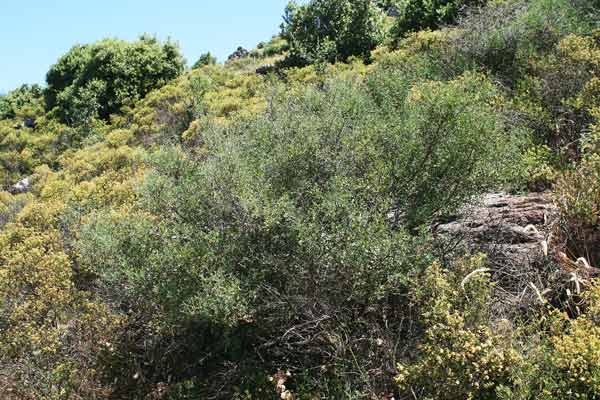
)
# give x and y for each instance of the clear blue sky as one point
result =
(34, 33)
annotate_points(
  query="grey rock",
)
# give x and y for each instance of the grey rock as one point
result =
(265, 69)
(23, 186)
(509, 228)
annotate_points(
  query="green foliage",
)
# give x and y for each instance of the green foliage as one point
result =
(578, 196)
(464, 354)
(574, 364)
(540, 168)
(275, 46)
(562, 363)
(504, 36)
(216, 241)
(98, 79)
(26, 101)
(24, 149)
(536, 49)
(205, 59)
(426, 14)
(332, 30)
(228, 233)
(448, 139)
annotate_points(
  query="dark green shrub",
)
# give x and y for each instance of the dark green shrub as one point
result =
(26, 101)
(416, 15)
(205, 59)
(332, 30)
(96, 80)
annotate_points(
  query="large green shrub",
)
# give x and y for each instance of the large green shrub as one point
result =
(332, 30)
(282, 230)
(96, 80)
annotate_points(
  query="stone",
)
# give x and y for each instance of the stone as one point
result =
(265, 69)
(23, 186)
(517, 224)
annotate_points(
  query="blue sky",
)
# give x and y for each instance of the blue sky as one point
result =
(34, 33)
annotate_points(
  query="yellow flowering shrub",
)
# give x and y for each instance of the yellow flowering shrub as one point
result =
(576, 361)
(463, 354)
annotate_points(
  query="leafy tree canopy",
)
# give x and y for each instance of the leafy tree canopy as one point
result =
(23, 100)
(332, 30)
(96, 80)
(205, 59)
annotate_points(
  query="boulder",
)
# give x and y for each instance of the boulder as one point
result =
(29, 122)
(23, 186)
(392, 11)
(500, 223)
(265, 69)
(515, 232)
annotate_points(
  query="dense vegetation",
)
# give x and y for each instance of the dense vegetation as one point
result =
(97, 80)
(218, 233)
(332, 30)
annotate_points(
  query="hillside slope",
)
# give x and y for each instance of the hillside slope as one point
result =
(277, 226)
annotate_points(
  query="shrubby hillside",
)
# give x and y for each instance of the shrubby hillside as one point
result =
(262, 228)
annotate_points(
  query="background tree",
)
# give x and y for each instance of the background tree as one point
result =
(98, 79)
(25, 101)
(332, 30)
(205, 59)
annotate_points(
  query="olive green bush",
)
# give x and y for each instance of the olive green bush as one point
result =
(263, 241)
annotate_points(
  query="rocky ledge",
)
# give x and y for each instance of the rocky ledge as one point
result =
(514, 228)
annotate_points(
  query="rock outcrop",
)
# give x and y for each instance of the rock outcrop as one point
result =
(23, 186)
(510, 228)
(265, 69)
(515, 231)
